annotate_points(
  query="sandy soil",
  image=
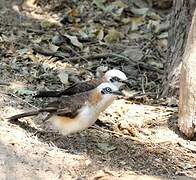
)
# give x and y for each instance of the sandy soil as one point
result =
(140, 142)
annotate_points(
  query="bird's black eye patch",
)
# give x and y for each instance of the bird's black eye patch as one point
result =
(102, 92)
(106, 90)
(115, 78)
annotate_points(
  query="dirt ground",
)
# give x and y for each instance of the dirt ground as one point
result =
(141, 139)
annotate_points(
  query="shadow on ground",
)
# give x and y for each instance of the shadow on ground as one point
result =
(117, 153)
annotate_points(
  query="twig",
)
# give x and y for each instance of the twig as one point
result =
(188, 145)
(70, 48)
(4, 83)
(42, 51)
(110, 55)
(143, 89)
(140, 95)
(37, 31)
(11, 94)
(75, 52)
(22, 100)
(118, 134)
(129, 137)
(45, 52)
(97, 56)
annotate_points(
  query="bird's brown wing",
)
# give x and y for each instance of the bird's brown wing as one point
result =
(74, 89)
(69, 105)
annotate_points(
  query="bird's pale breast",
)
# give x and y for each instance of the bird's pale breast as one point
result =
(85, 118)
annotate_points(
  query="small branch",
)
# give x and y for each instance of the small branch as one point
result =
(97, 56)
(188, 145)
(140, 95)
(4, 83)
(118, 134)
(111, 55)
(76, 53)
(70, 48)
(45, 52)
(22, 100)
(37, 31)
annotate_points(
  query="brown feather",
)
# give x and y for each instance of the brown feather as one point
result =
(94, 98)
(32, 113)
(69, 105)
(65, 106)
(74, 89)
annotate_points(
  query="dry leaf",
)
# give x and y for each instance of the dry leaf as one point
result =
(114, 11)
(23, 91)
(139, 11)
(106, 147)
(99, 3)
(126, 20)
(53, 48)
(163, 35)
(119, 4)
(163, 43)
(136, 22)
(23, 51)
(133, 53)
(74, 41)
(154, 63)
(63, 76)
(46, 24)
(136, 35)
(100, 35)
(153, 16)
(57, 40)
(116, 8)
(112, 36)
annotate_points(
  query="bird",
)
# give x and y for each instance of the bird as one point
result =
(117, 77)
(71, 114)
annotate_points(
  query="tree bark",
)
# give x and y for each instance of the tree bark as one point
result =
(179, 27)
(187, 101)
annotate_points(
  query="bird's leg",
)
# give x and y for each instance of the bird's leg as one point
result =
(103, 124)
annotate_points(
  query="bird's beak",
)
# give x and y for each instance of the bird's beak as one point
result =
(118, 93)
(125, 81)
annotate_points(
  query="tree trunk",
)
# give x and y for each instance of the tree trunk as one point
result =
(187, 101)
(179, 28)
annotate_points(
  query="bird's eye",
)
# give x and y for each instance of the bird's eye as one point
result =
(114, 79)
(107, 89)
(117, 79)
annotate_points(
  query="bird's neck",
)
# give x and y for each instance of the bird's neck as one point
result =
(104, 103)
(103, 79)
(94, 97)
(99, 102)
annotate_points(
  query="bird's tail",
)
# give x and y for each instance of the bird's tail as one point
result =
(32, 113)
(47, 94)
(25, 114)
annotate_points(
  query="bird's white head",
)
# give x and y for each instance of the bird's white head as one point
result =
(108, 92)
(108, 89)
(116, 77)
